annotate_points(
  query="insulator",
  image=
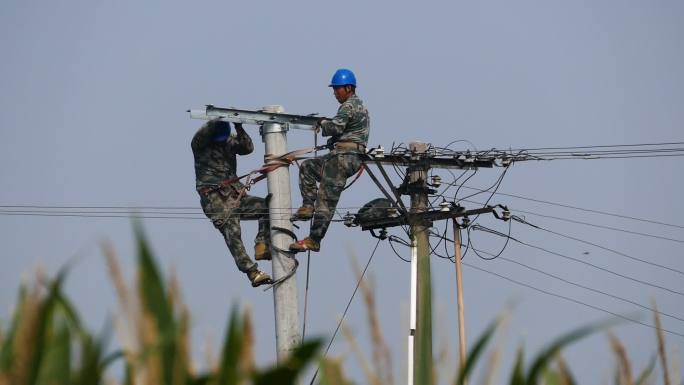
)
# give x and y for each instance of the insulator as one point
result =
(465, 222)
(436, 181)
(506, 215)
(349, 220)
(505, 162)
(379, 152)
(445, 206)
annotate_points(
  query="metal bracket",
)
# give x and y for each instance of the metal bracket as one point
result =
(272, 128)
(259, 117)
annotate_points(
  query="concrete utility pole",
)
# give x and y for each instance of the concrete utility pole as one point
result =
(422, 353)
(285, 302)
(459, 295)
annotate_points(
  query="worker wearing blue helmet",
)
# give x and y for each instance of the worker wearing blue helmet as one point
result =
(322, 179)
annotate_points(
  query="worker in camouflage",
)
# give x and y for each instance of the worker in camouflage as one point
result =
(348, 132)
(222, 195)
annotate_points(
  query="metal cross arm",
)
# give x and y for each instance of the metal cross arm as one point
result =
(259, 117)
(431, 215)
(432, 161)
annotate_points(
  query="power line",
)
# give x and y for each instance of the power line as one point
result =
(597, 157)
(581, 208)
(339, 323)
(569, 299)
(478, 227)
(578, 284)
(599, 246)
(522, 220)
(601, 146)
(601, 226)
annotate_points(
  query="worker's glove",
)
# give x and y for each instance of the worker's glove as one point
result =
(330, 143)
(319, 124)
(238, 126)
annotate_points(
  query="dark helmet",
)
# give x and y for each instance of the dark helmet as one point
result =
(222, 131)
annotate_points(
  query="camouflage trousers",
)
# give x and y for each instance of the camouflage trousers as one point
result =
(331, 171)
(226, 212)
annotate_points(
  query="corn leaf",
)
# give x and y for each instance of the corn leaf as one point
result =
(551, 377)
(331, 373)
(45, 316)
(475, 353)
(518, 374)
(549, 353)
(204, 379)
(7, 347)
(643, 377)
(287, 372)
(56, 364)
(156, 303)
(565, 376)
(228, 368)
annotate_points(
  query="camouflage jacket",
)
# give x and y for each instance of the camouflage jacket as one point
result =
(216, 161)
(351, 124)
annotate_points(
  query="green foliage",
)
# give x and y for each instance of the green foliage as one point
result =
(518, 373)
(475, 353)
(45, 343)
(288, 372)
(37, 348)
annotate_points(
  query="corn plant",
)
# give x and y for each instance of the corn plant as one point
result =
(45, 343)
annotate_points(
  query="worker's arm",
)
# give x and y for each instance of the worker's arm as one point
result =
(205, 134)
(336, 125)
(241, 142)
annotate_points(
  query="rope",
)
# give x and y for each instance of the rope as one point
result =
(308, 257)
(339, 324)
(271, 163)
(358, 175)
(288, 253)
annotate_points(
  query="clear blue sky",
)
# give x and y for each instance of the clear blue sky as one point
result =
(93, 98)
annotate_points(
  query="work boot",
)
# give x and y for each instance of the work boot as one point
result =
(258, 278)
(303, 213)
(304, 245)
(262, 252)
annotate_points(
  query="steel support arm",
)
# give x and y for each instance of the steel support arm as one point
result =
(259, 117)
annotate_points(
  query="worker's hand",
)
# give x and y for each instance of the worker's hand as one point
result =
(319, 124)
(238, 126)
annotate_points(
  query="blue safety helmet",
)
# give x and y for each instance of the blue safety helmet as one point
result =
(222, 131)
(343, 77)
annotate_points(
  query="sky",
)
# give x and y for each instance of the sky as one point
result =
(93, 100)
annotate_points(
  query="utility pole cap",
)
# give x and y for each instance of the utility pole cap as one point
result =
(274, 109)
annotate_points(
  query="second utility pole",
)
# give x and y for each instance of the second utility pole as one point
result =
(459, 296)
(284, 294)
(422, 349)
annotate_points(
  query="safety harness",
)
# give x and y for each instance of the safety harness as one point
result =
(272, 163)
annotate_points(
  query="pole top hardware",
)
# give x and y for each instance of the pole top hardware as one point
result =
(267, 114)
(454, 211)
(377, 152)
(505, 213)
